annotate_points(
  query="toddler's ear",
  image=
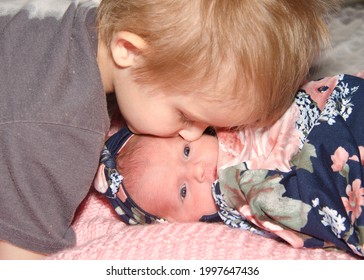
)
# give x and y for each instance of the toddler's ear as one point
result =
(125, 47)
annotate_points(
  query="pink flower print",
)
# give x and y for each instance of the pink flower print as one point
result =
(230, 146)
(269, 148)
(288, 235)
(320, 90)
(361, 151)
(355, 158)
(355, 199)
(339, 159)
(277, 145)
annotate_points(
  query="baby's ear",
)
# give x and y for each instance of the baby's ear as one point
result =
(125, 47)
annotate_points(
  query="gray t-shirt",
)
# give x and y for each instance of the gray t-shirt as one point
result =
(53, 119)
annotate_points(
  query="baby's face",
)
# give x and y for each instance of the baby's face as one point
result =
(179, 179)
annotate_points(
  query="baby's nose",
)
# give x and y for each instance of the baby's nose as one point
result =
(198, 171)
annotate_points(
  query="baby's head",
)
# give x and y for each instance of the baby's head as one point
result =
(169, 178)
(245, 59)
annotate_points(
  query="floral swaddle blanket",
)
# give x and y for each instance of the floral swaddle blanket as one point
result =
(301, 179)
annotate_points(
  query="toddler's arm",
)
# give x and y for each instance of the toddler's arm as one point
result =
(11, 252)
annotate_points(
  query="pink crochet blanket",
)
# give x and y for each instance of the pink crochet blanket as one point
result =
(101, 236)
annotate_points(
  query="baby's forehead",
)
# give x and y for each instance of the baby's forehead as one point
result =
(150, 142)
(151, 148)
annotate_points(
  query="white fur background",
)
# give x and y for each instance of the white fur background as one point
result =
(347, 53)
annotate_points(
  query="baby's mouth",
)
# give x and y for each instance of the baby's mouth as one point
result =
(211, 174)
(215, 173)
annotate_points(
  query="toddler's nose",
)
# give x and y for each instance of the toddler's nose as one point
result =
(193, 131)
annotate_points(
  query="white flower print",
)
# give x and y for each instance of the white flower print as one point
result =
(116, 180)
(308, 115)
(315, 202)
(339, 103)
(333, 219)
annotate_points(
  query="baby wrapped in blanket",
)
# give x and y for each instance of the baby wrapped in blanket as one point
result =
(299, 179)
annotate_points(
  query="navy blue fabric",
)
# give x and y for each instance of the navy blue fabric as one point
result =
(128, 210)
(320, 200)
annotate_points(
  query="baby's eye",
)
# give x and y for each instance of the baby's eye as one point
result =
(186, 150)
(183, 192)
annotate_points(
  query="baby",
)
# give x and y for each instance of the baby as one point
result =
(299, 180)
(171, 179)
(150, 190)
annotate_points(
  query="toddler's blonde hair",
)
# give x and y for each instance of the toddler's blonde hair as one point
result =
(255, 51)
